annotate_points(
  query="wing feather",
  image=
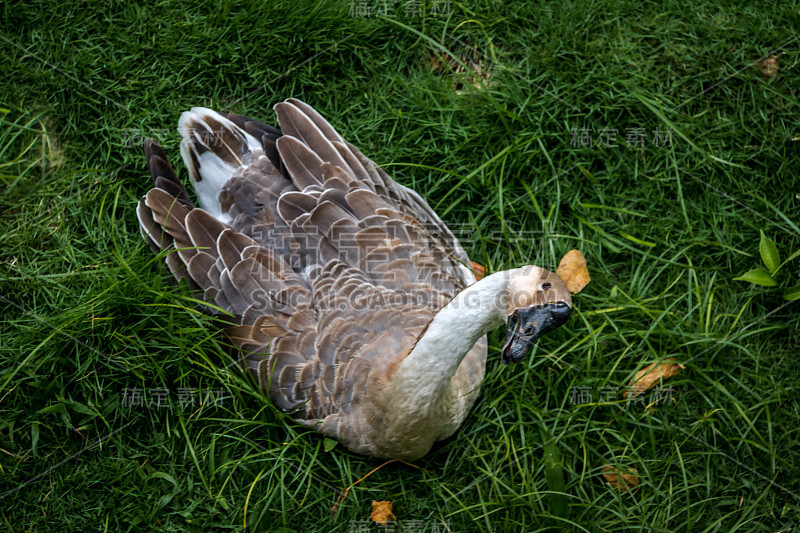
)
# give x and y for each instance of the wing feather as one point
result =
(330, 268)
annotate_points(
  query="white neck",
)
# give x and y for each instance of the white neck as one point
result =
(454, 330)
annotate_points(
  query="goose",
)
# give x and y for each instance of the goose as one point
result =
(348, 298)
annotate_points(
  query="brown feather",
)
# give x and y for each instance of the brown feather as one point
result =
(303, 165)
(297, 124)
(330, 269)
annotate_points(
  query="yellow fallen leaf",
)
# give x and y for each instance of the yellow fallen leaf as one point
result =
(572, 269)
(478, 270)
(652, 375)
(620, 480)
(382, 513)
(768, 67)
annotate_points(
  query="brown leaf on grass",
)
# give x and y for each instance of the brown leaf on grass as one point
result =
(572, 269)
(382, 513)
(478, 270)
(622, 481)
(471, 67)
(768, 67)
(652, 375)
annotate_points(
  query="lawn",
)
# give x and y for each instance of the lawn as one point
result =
(660, 139)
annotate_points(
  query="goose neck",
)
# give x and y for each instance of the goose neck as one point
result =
(456, 328)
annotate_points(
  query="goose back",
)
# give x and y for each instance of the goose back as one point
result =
(327, 270)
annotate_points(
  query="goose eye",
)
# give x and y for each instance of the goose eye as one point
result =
(546, 285)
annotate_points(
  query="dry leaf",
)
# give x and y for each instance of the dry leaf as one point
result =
(768, 67)
(478, 270)
(471, 67)
(648, 377)
(620, 480)
(382, 513)
(572, 269)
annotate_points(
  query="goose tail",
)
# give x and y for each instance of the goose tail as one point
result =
(213, 149)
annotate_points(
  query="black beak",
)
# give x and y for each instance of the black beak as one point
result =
(525, 326)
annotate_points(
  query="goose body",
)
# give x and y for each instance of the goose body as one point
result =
(347, 296)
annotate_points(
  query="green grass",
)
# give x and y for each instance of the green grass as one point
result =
(88, 313)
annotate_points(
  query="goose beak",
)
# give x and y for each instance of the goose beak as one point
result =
(525, 326)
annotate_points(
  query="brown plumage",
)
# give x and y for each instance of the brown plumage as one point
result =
(332, 270)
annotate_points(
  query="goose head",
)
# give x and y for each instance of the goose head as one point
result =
(538, 301)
